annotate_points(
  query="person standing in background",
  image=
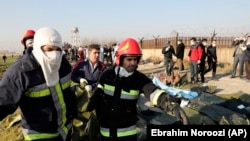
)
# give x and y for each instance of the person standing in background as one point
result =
(195, 54)
(4, 58)
(212, 59)
(238, 54)
(180, 49)
(27, 40)
(247, 58)
(168, 52)
(201, 70)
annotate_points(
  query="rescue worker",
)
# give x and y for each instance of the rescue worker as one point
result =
(86, 74)
(90, 69)
(39, 83)
(27, 40)
(117, 92)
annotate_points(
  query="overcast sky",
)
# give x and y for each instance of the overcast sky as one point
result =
(115, 19)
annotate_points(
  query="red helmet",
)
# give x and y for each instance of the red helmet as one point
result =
(27, 34)
(128, 46)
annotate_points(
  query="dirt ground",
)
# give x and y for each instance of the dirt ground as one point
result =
(224, 84)
(227, 85)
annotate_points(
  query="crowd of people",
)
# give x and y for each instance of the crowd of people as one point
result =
(74, 54)
(203, 58)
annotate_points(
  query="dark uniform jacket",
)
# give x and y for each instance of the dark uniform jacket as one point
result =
(115, 100)
(44, 109)
(83, 70)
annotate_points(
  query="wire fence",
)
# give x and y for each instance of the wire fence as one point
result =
(222, 42)
(224, 37)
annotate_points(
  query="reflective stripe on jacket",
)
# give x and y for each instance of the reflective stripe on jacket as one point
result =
(115, 101)
(46, 111)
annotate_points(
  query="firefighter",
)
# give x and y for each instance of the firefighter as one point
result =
(39, 83)
(117, 92)
(27, 40)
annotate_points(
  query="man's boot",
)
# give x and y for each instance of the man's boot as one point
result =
(213, 76)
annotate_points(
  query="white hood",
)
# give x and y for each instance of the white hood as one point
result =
(47, 36)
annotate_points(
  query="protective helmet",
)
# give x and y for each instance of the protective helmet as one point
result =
(26, 35)
(128, 46)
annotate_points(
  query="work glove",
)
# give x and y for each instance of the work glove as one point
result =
(88, 88)
(83, 80)
(171, 104)
(83, 83)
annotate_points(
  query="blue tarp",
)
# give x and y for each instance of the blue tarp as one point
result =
(173, 91)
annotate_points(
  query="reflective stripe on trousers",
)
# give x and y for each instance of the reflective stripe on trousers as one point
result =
(121, 132)
(30, 135)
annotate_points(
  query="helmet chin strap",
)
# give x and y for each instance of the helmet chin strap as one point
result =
(117, 70)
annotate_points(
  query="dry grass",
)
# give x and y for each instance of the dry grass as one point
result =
(224, 68)
(155, 59)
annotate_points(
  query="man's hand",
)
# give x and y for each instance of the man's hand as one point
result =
(180, 114)
(199, 61)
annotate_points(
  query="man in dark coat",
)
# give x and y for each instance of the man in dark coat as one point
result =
(180, 49)
(168, 51)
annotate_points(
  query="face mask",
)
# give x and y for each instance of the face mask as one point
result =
(192, 43)
(123, 72)
(204, 43)
(53, 55)
(29, 43)
(214, 45)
